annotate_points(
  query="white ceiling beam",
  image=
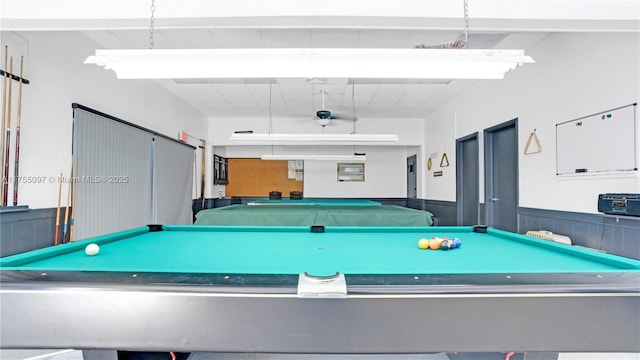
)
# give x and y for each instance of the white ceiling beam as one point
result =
(484, 9)
(529, 15)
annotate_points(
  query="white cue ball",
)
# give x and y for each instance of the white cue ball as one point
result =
(92, 249)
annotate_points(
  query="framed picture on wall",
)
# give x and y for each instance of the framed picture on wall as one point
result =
(350, 171)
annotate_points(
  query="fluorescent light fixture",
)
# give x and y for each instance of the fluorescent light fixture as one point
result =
(310, 63)
(318, 157)
(317, 139)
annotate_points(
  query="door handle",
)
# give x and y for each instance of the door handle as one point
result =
(494, 199)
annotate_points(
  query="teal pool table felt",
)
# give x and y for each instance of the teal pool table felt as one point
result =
(294, 250)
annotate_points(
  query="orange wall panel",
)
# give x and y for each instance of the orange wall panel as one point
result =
(256, 178)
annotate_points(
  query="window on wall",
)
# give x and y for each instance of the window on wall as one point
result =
(220, 170)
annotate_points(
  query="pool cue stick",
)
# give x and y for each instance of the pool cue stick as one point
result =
(17, 152)
(195, 173)
(7, 144)
(5, 75)
(73, 201)
(57, 236)
(65, 229)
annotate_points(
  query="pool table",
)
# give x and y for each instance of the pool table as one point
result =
(307, 215)
(315, 202)
(320, 290)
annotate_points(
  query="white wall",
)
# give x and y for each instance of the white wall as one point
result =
(385, 176)
(54, 66)
(438, 141)
(574, 75)
(385, 169)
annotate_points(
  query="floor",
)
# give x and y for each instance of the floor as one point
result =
(77, 355)
(42, 354)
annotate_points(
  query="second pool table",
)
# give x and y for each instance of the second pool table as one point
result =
(320, 290)
(307, 215)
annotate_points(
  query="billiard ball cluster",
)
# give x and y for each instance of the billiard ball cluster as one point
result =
(437, 243)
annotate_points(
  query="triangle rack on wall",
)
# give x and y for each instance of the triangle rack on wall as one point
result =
(444, 161)
(533, 136)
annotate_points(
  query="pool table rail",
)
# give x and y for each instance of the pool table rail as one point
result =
(204, 318)
(406, 284)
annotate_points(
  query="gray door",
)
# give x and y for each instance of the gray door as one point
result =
(467, 180)
(501, 176)
(412, 180)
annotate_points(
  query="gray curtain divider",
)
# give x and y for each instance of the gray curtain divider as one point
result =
(173, 182)
(127, 176)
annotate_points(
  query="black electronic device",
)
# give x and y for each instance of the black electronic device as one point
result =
(619, 204)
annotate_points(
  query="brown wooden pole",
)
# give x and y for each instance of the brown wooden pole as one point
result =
(7, 143)
(17, 153)
(5, 76)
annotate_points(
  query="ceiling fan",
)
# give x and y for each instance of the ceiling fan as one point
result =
(324, 116)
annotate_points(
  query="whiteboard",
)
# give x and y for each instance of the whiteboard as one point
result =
(602, 142)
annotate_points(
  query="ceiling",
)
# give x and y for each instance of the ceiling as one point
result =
(125, 24)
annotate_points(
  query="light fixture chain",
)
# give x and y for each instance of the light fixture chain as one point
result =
(466, 24)
(353, 107)
(270, 107)
(151, 25)
(270, 111)
(459, 43)
(353, 104)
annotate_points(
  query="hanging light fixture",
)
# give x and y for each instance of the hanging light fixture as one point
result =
(423, 62)
(314, 139)
(310, 63)
(248, 137)
(315, 157)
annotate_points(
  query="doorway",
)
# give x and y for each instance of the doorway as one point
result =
(467, 180)
(501, 175)
(412, 179)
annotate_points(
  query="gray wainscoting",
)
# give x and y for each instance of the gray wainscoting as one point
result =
(618, 235)
(444, 212)
(27, 230)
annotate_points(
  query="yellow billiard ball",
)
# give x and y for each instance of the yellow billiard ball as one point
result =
(423, 244)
